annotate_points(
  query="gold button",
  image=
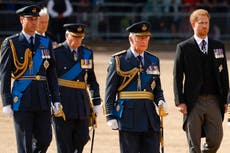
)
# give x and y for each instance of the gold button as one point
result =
(38, 77)
(15, 99)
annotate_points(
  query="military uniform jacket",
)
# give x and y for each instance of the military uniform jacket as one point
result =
(36, 95)
(138, 114)
(188, 68)
(76, 102)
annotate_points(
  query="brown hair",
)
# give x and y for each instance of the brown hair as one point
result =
(198, 12)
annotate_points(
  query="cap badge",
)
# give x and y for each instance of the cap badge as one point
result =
(34, 10)
(144, 27)
(79, 29)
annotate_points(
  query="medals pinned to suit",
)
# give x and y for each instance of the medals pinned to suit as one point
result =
(15, 99)
(46, 64)
(86, 63)
(45, 55)
(153, 69)
(220, 68)
(45, 52)
(219, 53)
(74, 56)
(153, 84)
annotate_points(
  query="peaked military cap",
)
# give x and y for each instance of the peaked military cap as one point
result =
(29, 11)
(140, 28)
(75, 29)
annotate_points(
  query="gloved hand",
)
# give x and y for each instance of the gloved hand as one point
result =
(57, 110)
(57, 107)
(97, 109)
(113, 124)
(163, 108)
(7, 110)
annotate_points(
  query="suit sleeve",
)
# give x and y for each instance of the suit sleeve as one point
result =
(225, 79)
(93, 86)
(6, 67)
(178, 76)
(52, 77)
(112, 83)
(158, 92)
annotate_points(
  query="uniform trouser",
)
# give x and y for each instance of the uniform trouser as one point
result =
(206, 117)
(139, 142)
(71, 135)
(33, 131)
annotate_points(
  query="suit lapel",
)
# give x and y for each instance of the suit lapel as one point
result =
(23, 41)
(147, 61)
(37, 41)
(211, 54)
(131, 59)
(193, 41)
(69, 53)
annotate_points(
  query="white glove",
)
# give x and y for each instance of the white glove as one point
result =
(113, 124)
(7, 110)
(97, 109)
(56, 108)
(163, 104)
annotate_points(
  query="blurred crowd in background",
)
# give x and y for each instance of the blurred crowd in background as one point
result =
(107, 19)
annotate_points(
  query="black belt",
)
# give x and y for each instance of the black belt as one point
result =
(33, 77)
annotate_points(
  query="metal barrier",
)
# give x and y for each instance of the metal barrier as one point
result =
(109, 20)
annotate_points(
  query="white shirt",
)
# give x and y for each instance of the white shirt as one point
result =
(28, 36)
(136, 54)
(199, 42)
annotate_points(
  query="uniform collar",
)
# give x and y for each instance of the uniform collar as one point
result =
(27, 36)
(199, 40)
(72, 50)
(135, 53)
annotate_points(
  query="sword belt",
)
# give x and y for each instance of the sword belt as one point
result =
(33, 77)
(72, 84)
(135, 95)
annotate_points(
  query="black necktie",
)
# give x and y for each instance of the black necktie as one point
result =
(74, 55)
(139, 57)
(203, 46)
(32, 43)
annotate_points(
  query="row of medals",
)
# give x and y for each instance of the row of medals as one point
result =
(45, 56)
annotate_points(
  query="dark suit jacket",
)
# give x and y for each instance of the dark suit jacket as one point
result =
(36, 95)
(76, 101)
(187, 73)
(139, 114)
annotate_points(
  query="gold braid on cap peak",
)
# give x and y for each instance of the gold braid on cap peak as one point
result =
(21, 66)
(128, 75)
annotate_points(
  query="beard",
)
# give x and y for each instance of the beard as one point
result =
(203, 33)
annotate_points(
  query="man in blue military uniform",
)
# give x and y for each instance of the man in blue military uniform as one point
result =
(75, 69)
(28, 59)
(133, 88)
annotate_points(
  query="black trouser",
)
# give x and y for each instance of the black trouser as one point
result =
(71, 135)
(139, 142)
(33, 131)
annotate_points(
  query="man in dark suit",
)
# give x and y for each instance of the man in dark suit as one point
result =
(43, 22)
(133, 87)
(28, 58)
(75, 69)
(201, 85)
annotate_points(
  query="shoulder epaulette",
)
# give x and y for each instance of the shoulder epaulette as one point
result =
(150, 53)
(59, 45)
(12, 36)
(119, 53)
(86, 46)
